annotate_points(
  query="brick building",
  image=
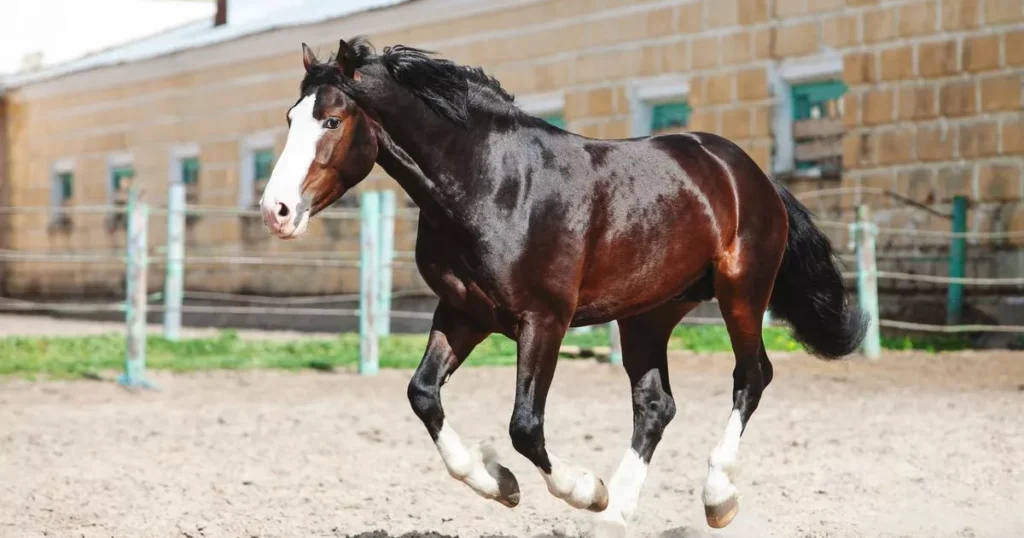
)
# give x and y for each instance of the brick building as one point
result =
(901, 104)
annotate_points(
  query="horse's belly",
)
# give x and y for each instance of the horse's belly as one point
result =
(622, 284)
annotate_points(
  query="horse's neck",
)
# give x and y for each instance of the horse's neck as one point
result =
(438, 193)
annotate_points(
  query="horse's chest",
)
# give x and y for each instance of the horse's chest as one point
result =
(463, 284)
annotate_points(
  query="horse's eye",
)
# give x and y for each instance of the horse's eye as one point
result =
(332, 123)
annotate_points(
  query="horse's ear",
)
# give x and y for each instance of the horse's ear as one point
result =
(346, 59)
(308, 59)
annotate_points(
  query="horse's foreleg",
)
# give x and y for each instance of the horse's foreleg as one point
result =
(452, 338)
(742, 296)
(539, 340)
(645, 358)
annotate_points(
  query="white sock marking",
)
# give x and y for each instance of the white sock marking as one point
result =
(467, 465)
(575, 486)
(624, 489)
(722, 462)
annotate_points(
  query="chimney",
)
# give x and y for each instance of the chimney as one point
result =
(221, 18)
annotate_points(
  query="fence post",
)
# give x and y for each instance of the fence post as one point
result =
(867, 279)
(136, 298)
(615, 355)
(386, 254)
(369, 243)
(957, 262)
(174, 281)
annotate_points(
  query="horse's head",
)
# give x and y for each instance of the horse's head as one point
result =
(331, 146)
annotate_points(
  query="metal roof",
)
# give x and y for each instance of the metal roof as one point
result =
(200, 34)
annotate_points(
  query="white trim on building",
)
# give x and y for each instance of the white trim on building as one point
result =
(782, 77)
(646, 92)
(248, 147)
(542, 104)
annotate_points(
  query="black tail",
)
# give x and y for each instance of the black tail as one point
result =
(809, 291)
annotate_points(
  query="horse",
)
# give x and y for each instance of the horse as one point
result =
(526, 230)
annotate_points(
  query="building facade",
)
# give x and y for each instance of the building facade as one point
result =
(900, 104)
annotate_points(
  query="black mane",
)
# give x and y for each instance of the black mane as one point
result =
(448, 89)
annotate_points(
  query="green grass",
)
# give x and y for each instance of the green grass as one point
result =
(90, 355)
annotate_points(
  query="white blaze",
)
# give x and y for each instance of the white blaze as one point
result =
(285, 185)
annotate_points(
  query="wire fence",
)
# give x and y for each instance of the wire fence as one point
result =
(375, 258)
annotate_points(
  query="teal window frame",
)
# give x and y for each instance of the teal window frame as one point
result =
(811, 96)
(808, 96)
(556, 119)
(190, 171)
(670, 115)
(263, 164)
(65, 182)
(118, 173)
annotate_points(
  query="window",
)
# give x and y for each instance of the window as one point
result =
(660, 105)
(818, 127)
(190, 178)
(61, 193)
(121, 178)
(807, 125)
(555, 119)
(190, 171)
(818, 99)
(256, 162)
(670, 117)
(546, 106)
(263, 161)
(263, 165)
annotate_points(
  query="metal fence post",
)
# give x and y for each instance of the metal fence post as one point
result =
(867, 279)
(386, 254)
(136, 298)
(957, 262)
(174, 281)
(369, 243)
(615, 355)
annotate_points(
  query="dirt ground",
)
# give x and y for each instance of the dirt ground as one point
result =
(914, 445)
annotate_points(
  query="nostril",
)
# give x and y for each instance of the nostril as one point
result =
(282, 210)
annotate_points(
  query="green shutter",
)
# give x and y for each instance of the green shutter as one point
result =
(555, 119)
(263, 163)
(117, 174)
(668, 115)
(66, 180)
(190, 171)
(814, 94)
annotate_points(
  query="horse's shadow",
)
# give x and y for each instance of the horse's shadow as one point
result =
(687, 532)
(678, 532)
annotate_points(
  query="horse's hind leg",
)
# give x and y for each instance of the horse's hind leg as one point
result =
(452, 338)
(645, 358)
(743, 285)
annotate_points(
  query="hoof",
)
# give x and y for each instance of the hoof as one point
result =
(600, 497)
(508, 486)
(721, 515)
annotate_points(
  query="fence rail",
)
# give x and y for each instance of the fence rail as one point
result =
(376, 258)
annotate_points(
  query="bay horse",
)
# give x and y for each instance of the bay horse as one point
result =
(527, 230)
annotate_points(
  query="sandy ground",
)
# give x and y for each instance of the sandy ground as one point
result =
(912, 446)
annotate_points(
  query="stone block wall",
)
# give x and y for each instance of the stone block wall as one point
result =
(933, 109)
